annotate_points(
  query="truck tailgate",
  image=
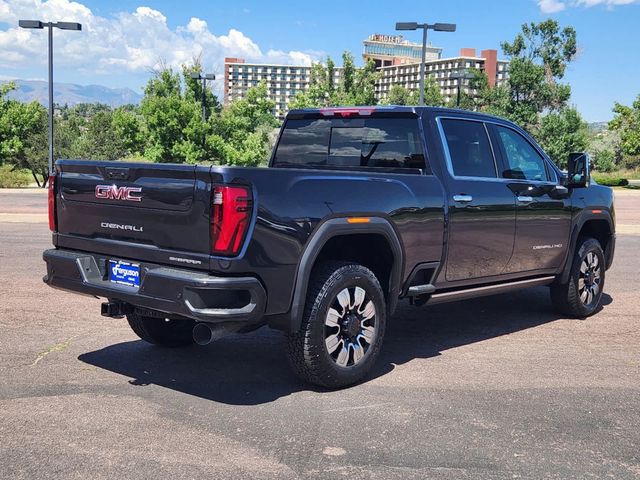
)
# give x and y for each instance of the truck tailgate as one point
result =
(140, 210)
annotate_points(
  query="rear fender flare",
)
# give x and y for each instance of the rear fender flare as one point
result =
(336, 227)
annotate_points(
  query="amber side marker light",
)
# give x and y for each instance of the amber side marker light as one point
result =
(358, 220)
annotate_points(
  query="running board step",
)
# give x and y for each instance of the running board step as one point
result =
(488, 290)
(417, 290)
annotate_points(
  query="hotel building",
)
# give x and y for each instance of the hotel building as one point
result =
(397, 60)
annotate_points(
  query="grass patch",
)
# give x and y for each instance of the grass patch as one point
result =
(610, 179)
(10, 178)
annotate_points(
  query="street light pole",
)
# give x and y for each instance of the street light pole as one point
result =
(204, 99)
(38, 25)
(204, 77)
(438, 27)
(424, 58)
(460, 76)
(50, 167)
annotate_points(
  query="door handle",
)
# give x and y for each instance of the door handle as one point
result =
(462, 198)
(525, 199)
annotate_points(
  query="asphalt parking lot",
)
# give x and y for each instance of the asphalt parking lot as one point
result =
(500, 387)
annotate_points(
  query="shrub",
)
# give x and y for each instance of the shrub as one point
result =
(610, 180)
(10, 178)
(631, 162)
(604, 161)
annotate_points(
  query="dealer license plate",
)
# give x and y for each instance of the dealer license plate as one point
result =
(124, 273)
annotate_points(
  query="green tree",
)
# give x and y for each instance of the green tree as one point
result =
(399, 95)
(175, 131)
(432, 93)
(356, 86)
(363, 91)
(240, 134)
(84, 110)
(321, 92)
(603, 160)
(538, 58)
(101, 141)
(23, 139)
(626, 123)
(68, 134)
(128, 127)
(561, 133)
(193, 87)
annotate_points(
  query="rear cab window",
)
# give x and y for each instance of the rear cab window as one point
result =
(351, 143)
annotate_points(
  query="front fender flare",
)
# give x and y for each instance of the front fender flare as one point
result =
(575, 233)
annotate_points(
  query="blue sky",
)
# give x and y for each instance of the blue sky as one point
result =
(123, 40)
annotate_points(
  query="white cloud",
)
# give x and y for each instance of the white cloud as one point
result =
(128, 41)
(554, 6)
(608, 3)
(551, 6)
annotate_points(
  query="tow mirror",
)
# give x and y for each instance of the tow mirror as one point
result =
(578, 170)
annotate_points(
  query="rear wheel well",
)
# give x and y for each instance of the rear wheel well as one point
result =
(598, 229)
(368, 249)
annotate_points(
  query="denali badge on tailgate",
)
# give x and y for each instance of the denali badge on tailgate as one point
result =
(114, 192)
(121, 226)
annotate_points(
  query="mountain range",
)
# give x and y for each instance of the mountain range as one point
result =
(72, 94)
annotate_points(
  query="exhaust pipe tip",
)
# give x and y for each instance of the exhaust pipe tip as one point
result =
(202, 334)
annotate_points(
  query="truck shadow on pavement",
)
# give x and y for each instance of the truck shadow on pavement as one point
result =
(252, 369)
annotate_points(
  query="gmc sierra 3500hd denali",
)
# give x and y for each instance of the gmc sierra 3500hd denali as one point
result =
(360, 207)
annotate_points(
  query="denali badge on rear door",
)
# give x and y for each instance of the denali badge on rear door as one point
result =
(114, 192)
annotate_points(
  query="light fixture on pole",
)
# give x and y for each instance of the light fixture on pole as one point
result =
(438, 27)
(37, 24)
(204, 77)
(460, 75)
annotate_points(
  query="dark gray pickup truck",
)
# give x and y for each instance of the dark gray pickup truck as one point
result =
(360, 207)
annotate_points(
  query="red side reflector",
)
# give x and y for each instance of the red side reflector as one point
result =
(596, 211)
(346, 112)
(51, 197)
(230, 218)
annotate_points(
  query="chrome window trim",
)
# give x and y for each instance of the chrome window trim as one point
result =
(447, 154)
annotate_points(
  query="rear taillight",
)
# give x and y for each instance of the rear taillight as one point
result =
(52, 202)
(230, 218)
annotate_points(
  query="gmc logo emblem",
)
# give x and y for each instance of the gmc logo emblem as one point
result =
(112, 192)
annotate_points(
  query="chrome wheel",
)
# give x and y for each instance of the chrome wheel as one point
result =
(590, 279)
(350, 327)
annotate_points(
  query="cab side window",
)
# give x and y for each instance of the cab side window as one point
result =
(469, 148)
(523, 161)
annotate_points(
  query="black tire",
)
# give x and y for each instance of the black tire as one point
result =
(361, 334)
(161, 331)
(573, 298)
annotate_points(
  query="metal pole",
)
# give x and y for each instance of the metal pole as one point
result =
(204, 99)
(458, 99)
(425, 27)
(50, 26)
